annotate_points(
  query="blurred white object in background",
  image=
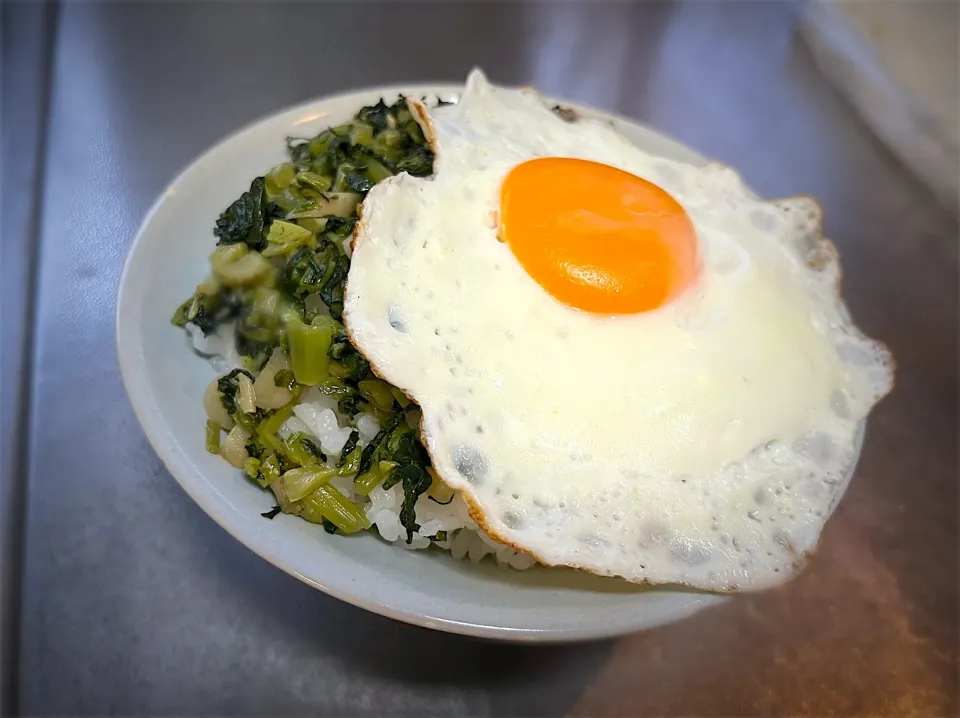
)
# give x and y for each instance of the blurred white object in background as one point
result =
(897, 62)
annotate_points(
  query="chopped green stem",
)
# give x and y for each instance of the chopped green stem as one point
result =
(269, 427)
(368, 481)
(279, 178)
(213, 436)
(269, 470)
(316, 182)
(285, 238)
(351, 463)
(298, 448)
(377, 392)
(298, 483)
(328, 503)
(309, 344)
(402, 399)
(181, 317)
(252, 468)
(361, 133)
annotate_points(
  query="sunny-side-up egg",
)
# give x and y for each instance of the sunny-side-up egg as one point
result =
(627, 364)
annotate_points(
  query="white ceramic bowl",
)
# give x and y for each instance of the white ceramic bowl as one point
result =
(165, 381)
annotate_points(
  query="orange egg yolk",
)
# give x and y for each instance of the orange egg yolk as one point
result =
(595, 237)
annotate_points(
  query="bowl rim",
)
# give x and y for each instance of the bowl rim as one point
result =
(153, 425)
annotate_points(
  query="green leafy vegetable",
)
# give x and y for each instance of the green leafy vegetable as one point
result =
(352, 463)
(348, 448)
(354, 364)
(278, 275)
(376, 115)
(370, 450)
(272, 512)
(418, 163)
(349, 405)
(332, 291)
(283, 378)
(254, 351)
(244, 220)
(397, 444)
(339, 226)
(298, 149)
(359, 183)
(303, 273)
(311, 447)
(228, 385)
(415, 480)
(207, 312)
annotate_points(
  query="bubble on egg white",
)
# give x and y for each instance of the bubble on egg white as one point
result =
(594, 541)
(763, 220)
(727, 261)
(511, 519)
(855, 355)
(666, 174)
(470, 463)
(817, 446)
(396, 320)
(781, 537)
(779, 454)
(686, 550)
(696, 317)
(838, 402)
(655, 533)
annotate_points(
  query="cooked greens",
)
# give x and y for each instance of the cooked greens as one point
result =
(277, 275)
(272, 512)
(245, 219)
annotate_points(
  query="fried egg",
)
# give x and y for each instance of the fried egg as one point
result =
(626, 364)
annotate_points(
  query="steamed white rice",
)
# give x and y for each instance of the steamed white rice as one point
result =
(316, 415)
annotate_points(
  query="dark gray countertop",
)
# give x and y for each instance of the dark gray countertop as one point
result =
(133, 602)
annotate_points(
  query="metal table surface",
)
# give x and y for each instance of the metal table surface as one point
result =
(133, 602)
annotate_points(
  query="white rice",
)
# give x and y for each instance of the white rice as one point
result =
(218, 348)
(317, 417)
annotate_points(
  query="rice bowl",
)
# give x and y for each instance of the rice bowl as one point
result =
(166, 384)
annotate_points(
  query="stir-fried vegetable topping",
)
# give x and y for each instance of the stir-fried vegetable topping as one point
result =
(277, 274)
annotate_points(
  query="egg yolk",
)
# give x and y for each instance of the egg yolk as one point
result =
(595, 237)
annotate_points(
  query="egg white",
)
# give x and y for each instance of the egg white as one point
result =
(703, 443)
